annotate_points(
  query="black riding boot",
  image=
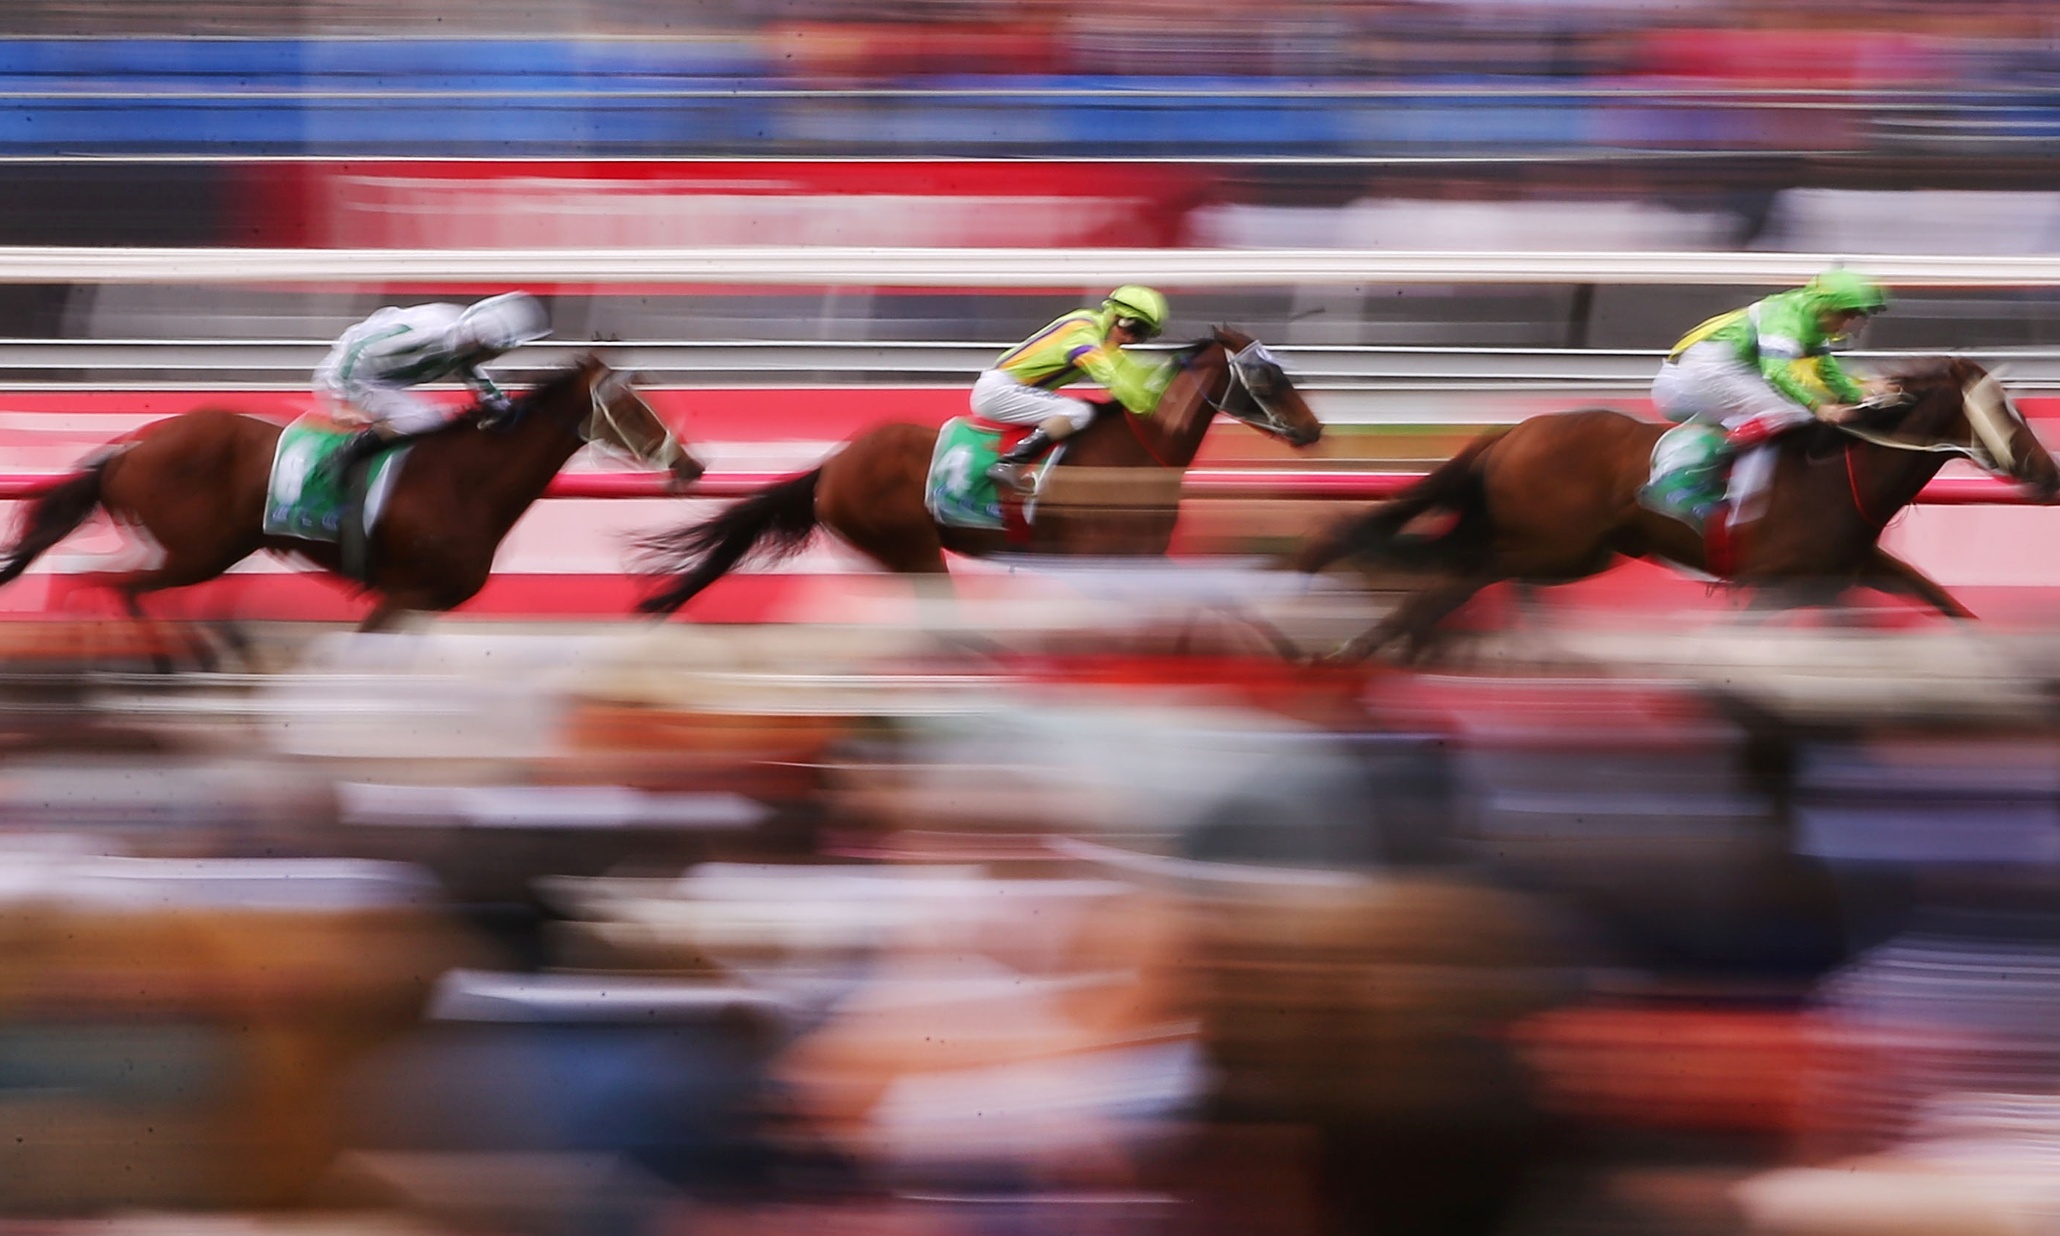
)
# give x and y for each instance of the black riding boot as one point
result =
(1012, 469)
(360, 446)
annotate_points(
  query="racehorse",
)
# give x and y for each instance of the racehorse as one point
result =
(1554, 499)
(196, 484)
(871, 494)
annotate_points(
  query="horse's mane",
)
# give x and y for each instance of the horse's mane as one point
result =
(557, 385)
(1928, 370)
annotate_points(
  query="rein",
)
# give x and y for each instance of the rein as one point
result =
(1852, 484)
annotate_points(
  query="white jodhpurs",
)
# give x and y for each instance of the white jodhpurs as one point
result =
(405, 411)
(1711, 385)
(999, 397)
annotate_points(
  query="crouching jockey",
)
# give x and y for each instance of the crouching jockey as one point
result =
(1739, 380)
(1022, 387)
(374, 363)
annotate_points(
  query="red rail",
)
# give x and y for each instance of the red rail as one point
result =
(1248, 483)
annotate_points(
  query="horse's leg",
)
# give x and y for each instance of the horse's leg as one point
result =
(1890, 574)
(154, 632)
(1415, 619)
(232, 635)
(178, 569)
(392, 612)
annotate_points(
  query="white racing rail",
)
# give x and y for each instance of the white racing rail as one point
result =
(1340, 371)
(812, 266)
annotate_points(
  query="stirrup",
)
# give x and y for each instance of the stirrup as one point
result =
(1017, 477)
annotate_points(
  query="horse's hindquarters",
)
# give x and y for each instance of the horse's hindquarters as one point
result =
(1561, 493)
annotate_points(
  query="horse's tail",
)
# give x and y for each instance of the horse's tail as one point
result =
(52, 517)
(772, 524)
(1376, 535)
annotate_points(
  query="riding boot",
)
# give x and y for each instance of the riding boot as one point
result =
(1013, 468)
(360, 446)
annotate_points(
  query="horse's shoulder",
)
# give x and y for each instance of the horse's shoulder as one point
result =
(216, 419)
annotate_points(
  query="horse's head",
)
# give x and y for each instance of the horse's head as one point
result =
(1255, 389)
(1957, 404)
(601, 406)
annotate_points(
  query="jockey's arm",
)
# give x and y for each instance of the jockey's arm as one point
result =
(1840, 383)
(1136, 384)
(490, 395)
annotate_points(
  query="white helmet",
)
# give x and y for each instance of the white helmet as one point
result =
(500, 323)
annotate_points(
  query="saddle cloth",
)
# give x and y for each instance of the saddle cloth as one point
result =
(959, 493)
(303, 500)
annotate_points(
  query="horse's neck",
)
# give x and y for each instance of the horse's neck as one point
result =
(1896, 477)
(513, 468)
(1170, 437)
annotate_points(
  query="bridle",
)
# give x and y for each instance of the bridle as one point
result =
(605, 423)
(1237, 374)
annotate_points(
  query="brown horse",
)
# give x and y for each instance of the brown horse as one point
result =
(195, 485)
(871, 493)
(1554, 499)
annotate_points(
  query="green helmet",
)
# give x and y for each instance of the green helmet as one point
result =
(1846, 291)
(1143, 303)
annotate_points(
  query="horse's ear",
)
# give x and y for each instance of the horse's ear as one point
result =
(1965, 371)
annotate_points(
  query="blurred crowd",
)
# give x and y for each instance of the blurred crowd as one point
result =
(1311, 79)
(1871, 42)
(875, 927)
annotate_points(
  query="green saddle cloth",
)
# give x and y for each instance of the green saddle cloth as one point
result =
(303, 499)
(959, 492)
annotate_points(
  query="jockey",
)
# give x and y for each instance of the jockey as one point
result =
(375, 362)
(1021, 389)
(1758, 372)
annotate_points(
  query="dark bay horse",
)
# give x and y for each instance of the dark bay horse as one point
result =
(1554, 499)
(870, 494)
(195, 485)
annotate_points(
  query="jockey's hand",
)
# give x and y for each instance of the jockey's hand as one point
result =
(1838, 413)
